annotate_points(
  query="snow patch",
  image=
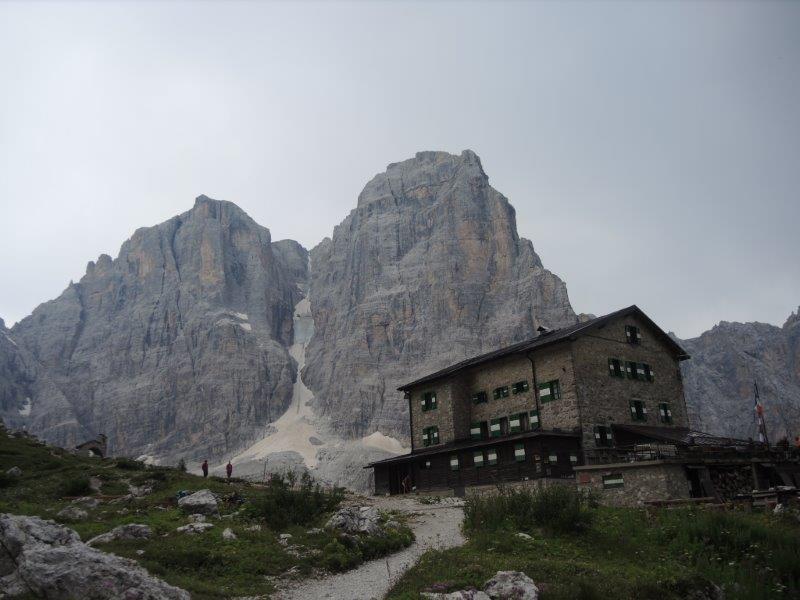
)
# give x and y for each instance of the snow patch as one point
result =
(149, 459)
(246, 326)
(384, 442)
(25, 411)
(9, 339)
(241, 316)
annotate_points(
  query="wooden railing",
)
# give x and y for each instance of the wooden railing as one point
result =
(669, 452)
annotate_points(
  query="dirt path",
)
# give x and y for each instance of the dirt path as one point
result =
(436, 526)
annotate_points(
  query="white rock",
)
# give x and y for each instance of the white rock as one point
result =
(132, 531)
(86, 502)
(14, 472)
(194, 528)
(460, 595)
(356, 519)
(524, 536)
(203, 502)
(72, 513)
(228, 534)
(47, 560)
(198, 518)
(511, 584)
(779, 509)
(283, 539)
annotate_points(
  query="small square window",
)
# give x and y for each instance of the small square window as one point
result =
(429, 401)
(549, 391)
(425, 465)
(476, 431)
(477, 458)
(515, 423)
(664, 413)
(534, 419)
(573, 459)
(479, 398)
(603, 436)
(501, 392)
(454, 464)
(491, 456)
(520, 387)
(552, 458)
(430, 436)
(638, 410)
(495, 428)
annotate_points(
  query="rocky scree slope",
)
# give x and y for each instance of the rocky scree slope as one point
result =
(426, 271)
(725, 362)
(176, 347)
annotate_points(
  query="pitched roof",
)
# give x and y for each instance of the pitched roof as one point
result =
(549, 338)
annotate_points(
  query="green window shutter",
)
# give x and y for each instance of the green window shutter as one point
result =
(426, 437)
(556, 388)
(648, 372)
(630, 369)
(519, 452)
(520, 387)
(515, 423)
(477, 458)
(534, 418)
(475, 432)
(611, 368)
(495, 428)
(434, 435)
(545, 392)
(491, 456)
(479, 398)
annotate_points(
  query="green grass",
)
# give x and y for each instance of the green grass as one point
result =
(623, 554)
(205, 565)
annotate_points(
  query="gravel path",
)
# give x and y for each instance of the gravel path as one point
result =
(436, 526)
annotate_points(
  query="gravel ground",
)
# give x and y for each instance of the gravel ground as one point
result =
(436, 526)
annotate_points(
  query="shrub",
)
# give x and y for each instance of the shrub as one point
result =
(336, 557)
(281, 504)
(6, 480)
(76, 486)
(129, 464)
(558, 508)
(182, 466)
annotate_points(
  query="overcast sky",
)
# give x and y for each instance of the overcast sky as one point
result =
(652, 150)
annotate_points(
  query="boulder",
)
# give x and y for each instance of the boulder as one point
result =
(14, 472)
(283, 539)
(202, 502)
(198, 518)
(194, 528)
(524, 536)
(132, 531)
(460, 595)
(228, 535)
(508, 585)
(356, 519)
(47, 560)
(72, 513)
(86, 502)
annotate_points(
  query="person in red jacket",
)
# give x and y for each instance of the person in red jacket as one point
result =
(204, 466)
(229, 469)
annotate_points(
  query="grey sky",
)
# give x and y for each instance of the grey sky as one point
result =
(652, 150)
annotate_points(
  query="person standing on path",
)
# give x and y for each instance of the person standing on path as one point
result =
(204, 466)
(229, 469)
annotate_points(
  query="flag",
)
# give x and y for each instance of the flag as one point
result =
(760, 425)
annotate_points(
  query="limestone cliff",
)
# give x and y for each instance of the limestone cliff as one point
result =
(427, 270)
(726, 360)
(176, 347)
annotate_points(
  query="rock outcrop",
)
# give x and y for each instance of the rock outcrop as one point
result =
(725, 362)
(40, 559)
(176, 347)
(426, 271)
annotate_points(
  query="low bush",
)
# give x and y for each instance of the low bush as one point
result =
(76, 486)
(129, 464)
(285, 503)
(6, 480)
(561, 509)
(337, 557)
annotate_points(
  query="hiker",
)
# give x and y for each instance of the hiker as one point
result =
(797, 442)
(406, 484)
(229, 469)
(205, 468)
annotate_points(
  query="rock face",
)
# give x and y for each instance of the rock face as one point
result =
(177, 347)
(427, 270)
(44, 560)
(725, 362)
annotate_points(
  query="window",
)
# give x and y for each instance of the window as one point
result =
(515, 423)
(549, 390)
(520, 387)
(430, 436)
(633, 335)
(639, 371)
(476, 431)
(454, 465)
(664, 413)
(491, 456)
(534, 419)
(615, 368)
(425, 465)
(552, 458)
(573, 459)
(429, 401)
(495, 428)
(537, 463)
(519, 452)
(479, 398)
(501, 392)
(477, 458)
(603, 436)
(612, 481)
(638, 410)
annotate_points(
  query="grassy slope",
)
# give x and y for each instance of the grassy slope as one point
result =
(204, 564)
(630, 554)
